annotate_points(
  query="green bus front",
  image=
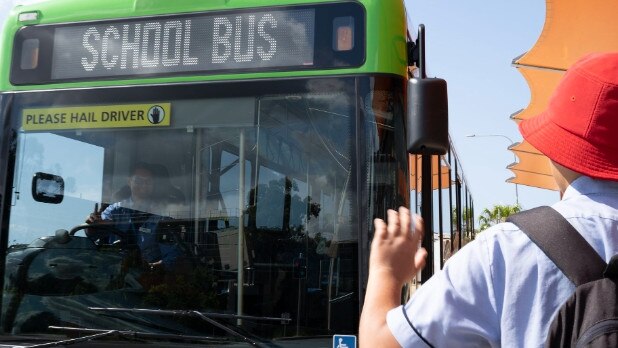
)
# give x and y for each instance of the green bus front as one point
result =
(278, 134)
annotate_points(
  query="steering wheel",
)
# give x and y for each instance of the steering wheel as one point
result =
(105, 227)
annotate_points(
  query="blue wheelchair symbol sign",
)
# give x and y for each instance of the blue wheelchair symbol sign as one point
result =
(344, 341)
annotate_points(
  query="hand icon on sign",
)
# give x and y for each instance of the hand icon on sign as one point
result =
(156, 114)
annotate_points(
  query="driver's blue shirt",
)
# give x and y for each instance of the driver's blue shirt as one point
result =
(140, 228)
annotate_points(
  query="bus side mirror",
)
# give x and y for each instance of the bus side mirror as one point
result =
(427, 116)
(47, 188)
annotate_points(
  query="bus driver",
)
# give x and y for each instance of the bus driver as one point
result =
(133, 216)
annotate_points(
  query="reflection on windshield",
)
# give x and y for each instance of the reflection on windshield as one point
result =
(241, 207)
(83, 176)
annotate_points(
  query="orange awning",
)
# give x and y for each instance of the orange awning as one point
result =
(532, 169)
(572, 29)
(541, 84)
(415, 180)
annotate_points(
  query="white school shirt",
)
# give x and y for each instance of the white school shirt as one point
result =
(501, 289)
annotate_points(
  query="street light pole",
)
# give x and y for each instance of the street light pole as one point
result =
(514, 156)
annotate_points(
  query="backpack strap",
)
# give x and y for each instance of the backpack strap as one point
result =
(559, 240)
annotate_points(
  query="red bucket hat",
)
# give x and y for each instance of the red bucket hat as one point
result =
(579, 128)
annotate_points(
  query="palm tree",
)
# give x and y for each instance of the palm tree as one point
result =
(466, 221)
(466, 215)
(497, 214)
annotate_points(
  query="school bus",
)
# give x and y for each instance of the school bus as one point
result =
(207, 172)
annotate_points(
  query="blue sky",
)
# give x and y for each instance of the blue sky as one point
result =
(471, 44)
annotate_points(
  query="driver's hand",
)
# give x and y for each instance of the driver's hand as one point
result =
(155, 266)
(93, 218)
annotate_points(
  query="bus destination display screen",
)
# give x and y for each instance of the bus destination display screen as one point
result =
(263, 39)
(196, 43)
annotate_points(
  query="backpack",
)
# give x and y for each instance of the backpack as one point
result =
(589, 318)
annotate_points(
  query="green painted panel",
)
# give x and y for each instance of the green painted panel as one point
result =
(385, 26)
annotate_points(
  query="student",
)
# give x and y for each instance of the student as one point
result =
(501, 289)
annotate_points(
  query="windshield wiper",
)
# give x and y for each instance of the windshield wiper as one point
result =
(185, 312)
(207, 317)
(99, 333)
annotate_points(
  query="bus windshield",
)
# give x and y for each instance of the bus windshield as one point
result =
(232, 200)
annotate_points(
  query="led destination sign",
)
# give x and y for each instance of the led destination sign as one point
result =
(282, 38)
(245, 40)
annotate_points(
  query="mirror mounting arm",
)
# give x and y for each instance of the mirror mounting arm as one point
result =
(416, 52)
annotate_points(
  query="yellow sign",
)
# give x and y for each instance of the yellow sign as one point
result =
(100, 116)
